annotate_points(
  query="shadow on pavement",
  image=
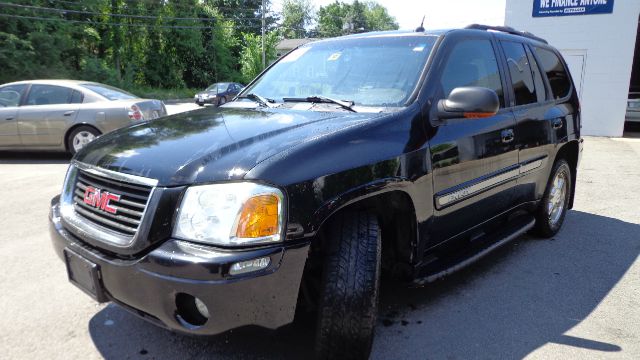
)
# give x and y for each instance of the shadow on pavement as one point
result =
(33, 157)
(525, 295)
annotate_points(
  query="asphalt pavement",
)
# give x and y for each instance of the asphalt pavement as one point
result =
(575, 296)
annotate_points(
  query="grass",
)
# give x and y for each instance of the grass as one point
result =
(163, 94)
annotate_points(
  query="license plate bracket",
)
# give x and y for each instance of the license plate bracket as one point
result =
(84, 274)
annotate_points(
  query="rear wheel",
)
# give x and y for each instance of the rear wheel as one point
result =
(80, 137)
(555, 202)
(349, 295)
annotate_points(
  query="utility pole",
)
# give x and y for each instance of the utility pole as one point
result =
(264, 60)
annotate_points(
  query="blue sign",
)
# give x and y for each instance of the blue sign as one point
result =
(542, 8)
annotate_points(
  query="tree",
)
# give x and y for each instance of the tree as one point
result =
(296, 16)
(341, 18)
(251, 54)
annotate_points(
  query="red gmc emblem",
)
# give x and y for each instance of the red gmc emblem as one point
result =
(100, 199)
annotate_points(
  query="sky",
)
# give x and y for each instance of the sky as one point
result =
(438, 14)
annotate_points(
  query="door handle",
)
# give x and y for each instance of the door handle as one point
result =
(10, 118)
(557, 124)
(507, 136)
(68, 113)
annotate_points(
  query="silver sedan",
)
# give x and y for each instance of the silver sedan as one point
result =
(66, 114)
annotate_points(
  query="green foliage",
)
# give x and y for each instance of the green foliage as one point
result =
(163, 94)
(251, 54)
(296, 15)
(147, 45)
(341, 18)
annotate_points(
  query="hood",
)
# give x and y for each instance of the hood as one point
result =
(211, 144)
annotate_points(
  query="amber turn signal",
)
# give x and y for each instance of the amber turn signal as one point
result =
(258, 217)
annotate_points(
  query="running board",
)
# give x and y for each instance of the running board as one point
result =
(440, 268)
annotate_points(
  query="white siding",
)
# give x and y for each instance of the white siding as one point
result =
(607, 42)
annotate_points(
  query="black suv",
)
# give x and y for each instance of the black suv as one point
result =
(410, 153)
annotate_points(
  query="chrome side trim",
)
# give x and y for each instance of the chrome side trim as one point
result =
(466, 192)
(530, 166)
(473, 189)
(133, 179)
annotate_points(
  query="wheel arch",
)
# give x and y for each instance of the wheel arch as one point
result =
(571, 152)
(396, 215)
(72, 128)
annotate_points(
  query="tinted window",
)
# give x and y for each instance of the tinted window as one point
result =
(10, 95)
(472, 63)
(537, 78)
(556, 73)
(109, 92)
(76, 97)
(48, 95)
(520, 71)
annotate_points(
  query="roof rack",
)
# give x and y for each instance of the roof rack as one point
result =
(506, 29)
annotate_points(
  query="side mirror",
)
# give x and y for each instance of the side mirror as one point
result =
(470, 102)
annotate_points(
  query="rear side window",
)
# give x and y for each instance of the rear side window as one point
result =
(556, 72)
(472, 63)
(520, 71)
(48, 95)
(76, 97)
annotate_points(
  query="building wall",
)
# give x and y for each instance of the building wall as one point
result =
(604, 46)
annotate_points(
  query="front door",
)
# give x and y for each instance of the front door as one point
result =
(46, 114)
(475, 161)
(9, 102)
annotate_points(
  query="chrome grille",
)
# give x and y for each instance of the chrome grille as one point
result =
(129, 209)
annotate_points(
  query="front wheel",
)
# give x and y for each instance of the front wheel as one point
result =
(555, 202)
(350, 285)
(80, 137)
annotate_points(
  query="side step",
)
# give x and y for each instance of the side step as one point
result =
(474, 251)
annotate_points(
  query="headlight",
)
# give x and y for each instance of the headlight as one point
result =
(231, 214)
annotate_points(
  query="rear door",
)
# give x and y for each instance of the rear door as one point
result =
(474, 160)
(46, 114)
(10, 97)
(541, 120)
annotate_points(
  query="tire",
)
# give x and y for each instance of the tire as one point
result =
(81, 136)
(553, 206)
(222, 101)
(350, 285)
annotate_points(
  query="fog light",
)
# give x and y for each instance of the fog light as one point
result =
(244, 267)
(202, 308)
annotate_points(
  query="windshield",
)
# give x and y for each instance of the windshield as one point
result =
(220, 87)
(109, 92)
(373, 71)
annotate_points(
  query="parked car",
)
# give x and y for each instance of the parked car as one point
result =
(66, 114)
(410, 153)
(218, 93)
(633, 108)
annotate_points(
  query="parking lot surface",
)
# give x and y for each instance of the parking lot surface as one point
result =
(575, 296)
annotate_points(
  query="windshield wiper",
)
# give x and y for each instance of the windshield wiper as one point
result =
(347, 105)
(259, 99)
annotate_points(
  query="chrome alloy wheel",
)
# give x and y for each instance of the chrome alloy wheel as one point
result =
(81, 139)
(557, 197)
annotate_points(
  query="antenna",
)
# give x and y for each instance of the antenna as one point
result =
(421, 27)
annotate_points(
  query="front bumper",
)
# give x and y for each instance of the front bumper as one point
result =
(149, 286)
